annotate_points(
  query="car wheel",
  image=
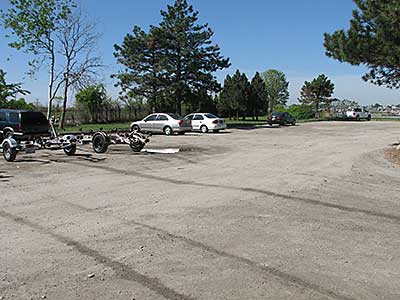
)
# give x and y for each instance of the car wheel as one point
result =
(70, 150)
(167, 130)
(369, 118)
(9, 153)
(270, 124)
(204, 129)
(294, 123)
(358, 118)
(99, 144)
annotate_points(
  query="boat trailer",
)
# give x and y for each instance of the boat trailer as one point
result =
(100, 141)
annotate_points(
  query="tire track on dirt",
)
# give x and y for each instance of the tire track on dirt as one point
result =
(310, 201)
(122, 271)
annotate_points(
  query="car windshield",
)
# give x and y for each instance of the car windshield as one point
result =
(358, 110)
(175, 116)
(277, 114)
(211, 116)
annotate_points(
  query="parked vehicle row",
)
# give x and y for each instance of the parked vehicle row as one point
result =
(29, 131)
(169, 123)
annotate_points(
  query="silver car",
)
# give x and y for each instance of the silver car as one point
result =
(162, 123)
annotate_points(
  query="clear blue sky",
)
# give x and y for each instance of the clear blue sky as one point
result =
(255, 34)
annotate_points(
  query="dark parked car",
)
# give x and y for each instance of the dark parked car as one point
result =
(281, 118)
(22, 124)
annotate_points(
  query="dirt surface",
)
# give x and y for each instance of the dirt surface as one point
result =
(393, 154)
(304, 212)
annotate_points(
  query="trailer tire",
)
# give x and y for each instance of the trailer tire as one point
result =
(70, 150)
(135, 128)
(100, 144)
(136, 146)
(9, 153)
(8, 133)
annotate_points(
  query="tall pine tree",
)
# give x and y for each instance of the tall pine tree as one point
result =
(234, 97)
(373, 40)
(317, 92)
(142, 56)
(191, 58)
(258, 100)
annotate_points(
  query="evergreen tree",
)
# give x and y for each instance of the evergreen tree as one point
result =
(277, 88)
(191, 59)
(317, 92)
(258, 96)
(224, 101)
(200, 102)
(172, 63)
(141, 54)
(373, 39)
(234, 97)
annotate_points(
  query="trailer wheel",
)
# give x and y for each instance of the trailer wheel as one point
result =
(136, 146)
(99, 143)
(135, 128)
(70, 150)
(9, 153)
(8, 133)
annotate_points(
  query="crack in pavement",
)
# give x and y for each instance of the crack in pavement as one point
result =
(123, 271)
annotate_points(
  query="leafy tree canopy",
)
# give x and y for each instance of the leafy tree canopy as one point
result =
(8, 90)
(91, 99)
(373, 39)
(33, 21)
(277, 88)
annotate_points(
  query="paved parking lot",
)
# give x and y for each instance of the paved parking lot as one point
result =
(305, 212)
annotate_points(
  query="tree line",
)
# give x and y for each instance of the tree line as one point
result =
(171, 66)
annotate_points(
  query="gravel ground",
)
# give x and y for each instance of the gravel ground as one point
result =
(304, 212)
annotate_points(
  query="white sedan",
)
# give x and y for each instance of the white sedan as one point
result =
(205, 122)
